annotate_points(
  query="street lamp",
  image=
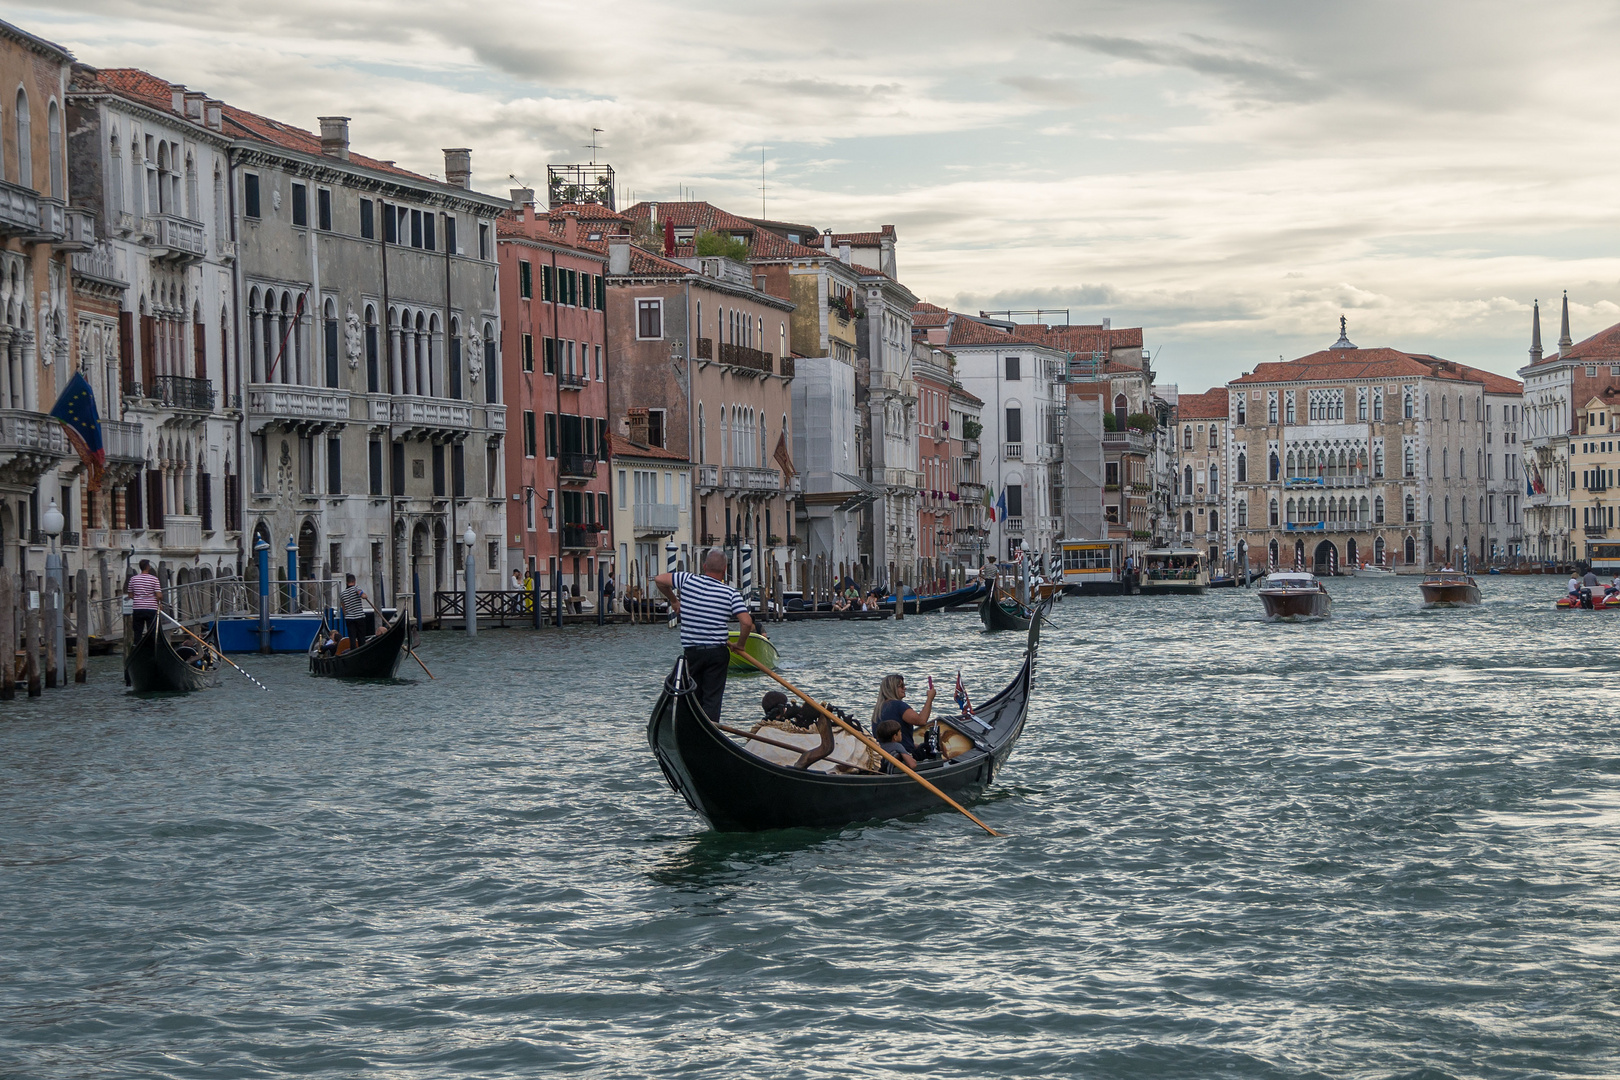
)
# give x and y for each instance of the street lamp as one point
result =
(469, 583)
(52, 521)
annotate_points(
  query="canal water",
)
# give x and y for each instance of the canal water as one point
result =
(1384, 845)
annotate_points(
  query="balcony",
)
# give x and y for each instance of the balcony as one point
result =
(99, 264)
(305, 409)
(1134, 442)
(78, 230)
(584, 538)
(970, 448)
(900, 478)
(52, 221)
(787, 367)
(657, 519)
(1595, 532)
(182, 394)
(176, 238)
(1013, 526)
(970, 490)
(708, 476)
(30, 443)
(745, 478)
(568, 380)
(576, 468)
(19, 210)
(109, 540)
(1042, 453)
(1013, 451)
(181, 532)
(1352, 480)
(430, 417)
(122, 442)
(744, 357)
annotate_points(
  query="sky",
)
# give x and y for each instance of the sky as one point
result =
(1230, 176)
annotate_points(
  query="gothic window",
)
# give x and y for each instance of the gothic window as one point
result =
(53, 128)
(1243, 514)
(1242, 468)
(1378, 510)
(1378, 405)
(1271, 407)
(1214, 480)
(1289, 405)
(1411, 509)
(25, 156)
(1275, 466)
(1274, 515)
(1214, 438)
(1187, 480)
(1241, 411)
(1186, 438)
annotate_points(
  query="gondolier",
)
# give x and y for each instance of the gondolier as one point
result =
(354, 610)
(706, 604)
(145, 593)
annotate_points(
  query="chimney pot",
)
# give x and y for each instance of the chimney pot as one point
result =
(826, 242)
(1106, 324)
(177, 98)
(618, 257)
(458, 167)
(335, 137)
(843, 252)
(214, 114)
(522, 197)
(571, 227)
(194, 104)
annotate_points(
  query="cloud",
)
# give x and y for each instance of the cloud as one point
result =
(1238, 65)
(1046, 89)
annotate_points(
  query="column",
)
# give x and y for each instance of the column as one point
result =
(396, 382)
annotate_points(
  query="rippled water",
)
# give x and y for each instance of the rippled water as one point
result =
(1378, 846)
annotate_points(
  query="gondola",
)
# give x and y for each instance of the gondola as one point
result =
(739, 791)
(919, 605)
(376, 658)
(165, 661)
(759, 647)
(996, 615)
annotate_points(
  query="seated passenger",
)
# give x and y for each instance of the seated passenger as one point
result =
(892, 705)
(888, 737)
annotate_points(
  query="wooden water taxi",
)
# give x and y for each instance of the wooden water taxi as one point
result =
(1174, 572)
(1449, 587)
(1295, 595)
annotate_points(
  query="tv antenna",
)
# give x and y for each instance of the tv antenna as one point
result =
(593, 147)
(762, 180)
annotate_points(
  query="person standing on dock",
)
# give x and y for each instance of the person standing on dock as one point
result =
(145, 594)
(706, 604)
(354, 610)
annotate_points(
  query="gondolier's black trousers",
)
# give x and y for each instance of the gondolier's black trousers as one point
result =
(144, 622)
(707, 665)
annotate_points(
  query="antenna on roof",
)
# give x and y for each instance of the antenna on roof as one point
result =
(761, 179)
(593, 148)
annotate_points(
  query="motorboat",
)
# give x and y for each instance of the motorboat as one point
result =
(1174, 572)
(1366, 570)
(1449, 587)
(1295, 594)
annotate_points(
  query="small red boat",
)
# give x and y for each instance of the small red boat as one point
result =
(1570, 603)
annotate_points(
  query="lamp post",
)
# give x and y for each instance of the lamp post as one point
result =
(469, 583)
(51, 521)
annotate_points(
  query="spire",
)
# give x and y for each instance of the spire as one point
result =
(1344, 340)
(1563, 332)
(1535, 333)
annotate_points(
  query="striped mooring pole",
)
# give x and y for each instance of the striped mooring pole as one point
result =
(747, 575)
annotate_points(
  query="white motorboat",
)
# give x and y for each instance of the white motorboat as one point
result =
(1368, 571)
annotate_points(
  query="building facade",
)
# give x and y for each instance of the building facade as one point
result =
(554, 334)
(652, 510)
(1203, 443)
(1360, 455)
(951, 498)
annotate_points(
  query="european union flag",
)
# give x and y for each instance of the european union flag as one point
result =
(76, 408)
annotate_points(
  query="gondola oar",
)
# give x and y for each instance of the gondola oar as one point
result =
(870, 743)
(408, 648)
(213, 649)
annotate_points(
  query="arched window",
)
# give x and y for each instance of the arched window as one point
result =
(193, 211)
(1242, 468)
(492, 375)
(1214, 438)
(1186, 522)
(25, 152)
(1409, 462)
(1378, 461)
(115, 174)
(1274, 550)
(1187, 480)
(1242, 411)
(1291, 511)
(1273, 509)
(1271, 409)
(1293, 465)
(1411, 509)
(373, 371)
(1378, 551)
(1289, 407)
(329, 324)
(1186, 438)
(1411, 550)
(1276, 466)
(1408, 407)
(1445, 504)
(1214, 480)
(1243, 514)
(1214, 521)
(53, 127)
(1121, 412)
(161, 202)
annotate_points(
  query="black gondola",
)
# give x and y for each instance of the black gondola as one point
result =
(920, 605)
(377, 658)
(1001, 612)
(167, 661)
(737, 791)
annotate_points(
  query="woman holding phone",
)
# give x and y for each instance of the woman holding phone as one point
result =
(891, 705)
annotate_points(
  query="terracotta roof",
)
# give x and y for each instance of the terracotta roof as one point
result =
(704, 217)
(1494, 383)
(923, 305)
(1602, 347)
(1210, 405)
(148, 89)
(589, 212)
(621, 446)
(1330, 365)
(864, 239)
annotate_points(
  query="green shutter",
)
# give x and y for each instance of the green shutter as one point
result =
(546, 286)
(601, 296)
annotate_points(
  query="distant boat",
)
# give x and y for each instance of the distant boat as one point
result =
(1000, 612)
(169, 662)
(1449, 587)
(376, 658)
(759, 647)
(917, 605)
(1295, 594)
(1382, 573)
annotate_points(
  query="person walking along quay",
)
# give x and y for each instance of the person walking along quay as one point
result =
(706, 604)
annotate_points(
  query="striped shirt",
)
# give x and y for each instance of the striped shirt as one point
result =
(354, 602)
(707, 606)
(143, 591)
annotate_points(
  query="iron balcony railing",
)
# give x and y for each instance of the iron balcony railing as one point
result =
(584, 538)
(178, 392)
(576, 466)
(743, 356)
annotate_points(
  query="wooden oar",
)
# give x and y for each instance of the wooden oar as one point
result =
(408, 648)
(212, 649)
(871, 743)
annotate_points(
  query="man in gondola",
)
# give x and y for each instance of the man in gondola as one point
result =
(145, 594)
(706, 605)
(354, 610)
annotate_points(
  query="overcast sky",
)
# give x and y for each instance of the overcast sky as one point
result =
(1230, 176)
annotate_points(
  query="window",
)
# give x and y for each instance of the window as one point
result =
(1214, 521)
(528, 352)
(1378, 461)
(1122, 412)
(450, 234)
(599, 363)
(1361, 404)
(1111, 474)
(323, 209)
(1186, 438)
(1243, 515)
(438, 470)
(1214, 437)
(250, 194)
(1275, 466)
(1187, 480)
(373, 372)
(551, 435)
(655, 427)
(1012, 369)
(259, 452)
(1274, 513)
(649, 319)
(1242, 468)
(483, 241)
(528, 433)
(1271, 407)
(548, 283)
(1015, 424)
(390, 223)
(374, 462)
(1289, 408)
(525, 279)
(1186, 522)
(1015, 500)
(300, 205)
(416, 228)
(550, 358)
(368, 225)
(458, 470)
(1411, 509)
(334, 466)
(1242, 411)
(601, 296)
(1214, 480)
(397, 469)
(331, 343)
(306, 464)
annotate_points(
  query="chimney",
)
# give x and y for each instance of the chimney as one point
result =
(1106, 324)
(194, 104)
(335, 137)
(826, 242)
(177, 98)
(458, 167)
(843, 252)
(571, 227)
(522, 197)
(619, 257)
(669, 237)
(214, 114)
(886, 253)
(652, 208)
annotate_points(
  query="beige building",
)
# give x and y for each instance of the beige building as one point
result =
(1594, 468)
(1355, 455)
(1203, 445)
(652, 507)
